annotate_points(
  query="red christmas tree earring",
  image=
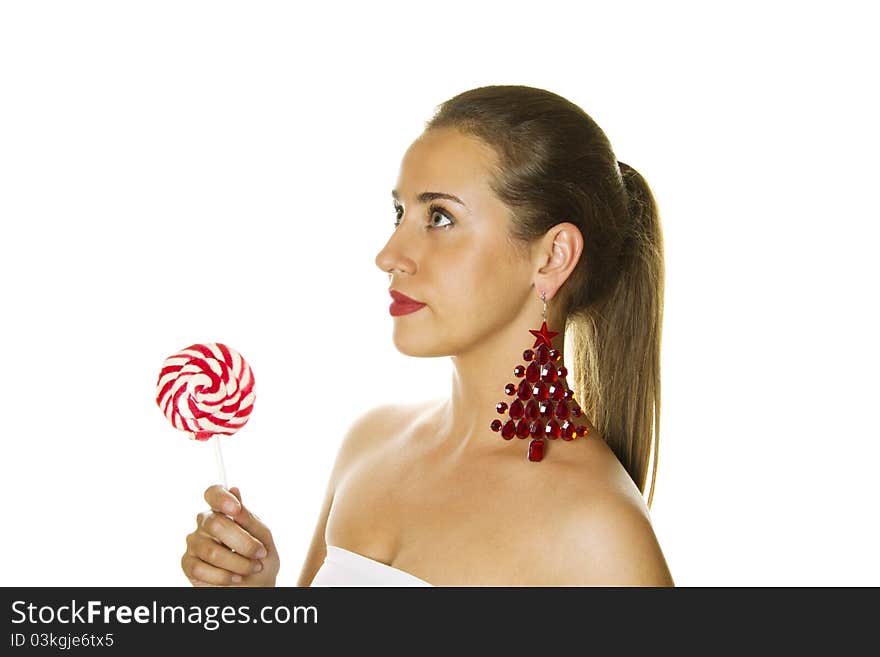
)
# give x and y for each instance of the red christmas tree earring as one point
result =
(544, 404)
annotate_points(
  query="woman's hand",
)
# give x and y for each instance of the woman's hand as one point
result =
(230, 546)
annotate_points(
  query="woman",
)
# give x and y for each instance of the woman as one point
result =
(511, 211)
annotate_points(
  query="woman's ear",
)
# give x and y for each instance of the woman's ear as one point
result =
(557, 254)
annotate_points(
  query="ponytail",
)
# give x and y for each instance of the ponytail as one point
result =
(616, 342)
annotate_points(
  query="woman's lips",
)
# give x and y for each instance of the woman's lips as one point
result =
(402, 304)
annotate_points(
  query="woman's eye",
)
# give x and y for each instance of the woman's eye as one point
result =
(433, 211)
(438, 211)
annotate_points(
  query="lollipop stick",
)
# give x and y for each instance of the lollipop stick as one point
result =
(220, 468)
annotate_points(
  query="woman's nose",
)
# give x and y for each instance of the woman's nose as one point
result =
(394, 256)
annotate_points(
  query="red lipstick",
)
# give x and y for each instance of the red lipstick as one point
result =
(402, 304)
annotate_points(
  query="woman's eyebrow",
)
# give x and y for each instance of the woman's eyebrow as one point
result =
(424, 197)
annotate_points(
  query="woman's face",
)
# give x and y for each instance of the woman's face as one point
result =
(453, 256)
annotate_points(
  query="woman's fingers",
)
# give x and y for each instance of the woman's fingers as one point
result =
(197, 569)
(230, 533)
(230, 545)
(228, 502)
(249, 520)
(221, 500)
(211, 552)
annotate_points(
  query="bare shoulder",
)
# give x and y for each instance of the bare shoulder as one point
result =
(604, 535)
(612, 543)
(372, 428)
(377, 423)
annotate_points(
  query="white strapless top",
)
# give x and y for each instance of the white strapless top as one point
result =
(342, 567)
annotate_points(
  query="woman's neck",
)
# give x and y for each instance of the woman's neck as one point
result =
(479, 378)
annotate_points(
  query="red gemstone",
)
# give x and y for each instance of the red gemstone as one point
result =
(501, 407)
(528, 355)
(554, 355)
(524, 391)
(509, 389)
(543, 354)
(548, 373)
(569, 394)
(533, 373)
(562, 411)
(496, 425)
(532, 410)
(582, 430)
(546, 408)
(536, 450)
(508, 430)
(537, 429)
(563, 371)
(567, 431)
(557, 391)
(576, 411)
(544, 336)
(551, 431)
(540, 390)
(522, 428)
(516, 409)
(519, 370)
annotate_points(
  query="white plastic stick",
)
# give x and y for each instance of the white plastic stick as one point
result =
(220, 468)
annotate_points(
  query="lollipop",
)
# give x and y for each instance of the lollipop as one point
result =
(207, 390)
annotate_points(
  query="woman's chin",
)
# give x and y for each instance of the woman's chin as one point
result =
(416, 345)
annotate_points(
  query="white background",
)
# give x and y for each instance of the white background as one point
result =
(179, 172)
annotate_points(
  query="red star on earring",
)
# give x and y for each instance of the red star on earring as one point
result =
(544, 335)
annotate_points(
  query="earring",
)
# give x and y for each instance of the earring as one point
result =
(543, 398)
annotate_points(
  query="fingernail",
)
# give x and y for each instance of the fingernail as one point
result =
(230, 507)
(236, 578)
(261, 552)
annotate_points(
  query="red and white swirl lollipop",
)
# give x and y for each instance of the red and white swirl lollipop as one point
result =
(206, 390)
